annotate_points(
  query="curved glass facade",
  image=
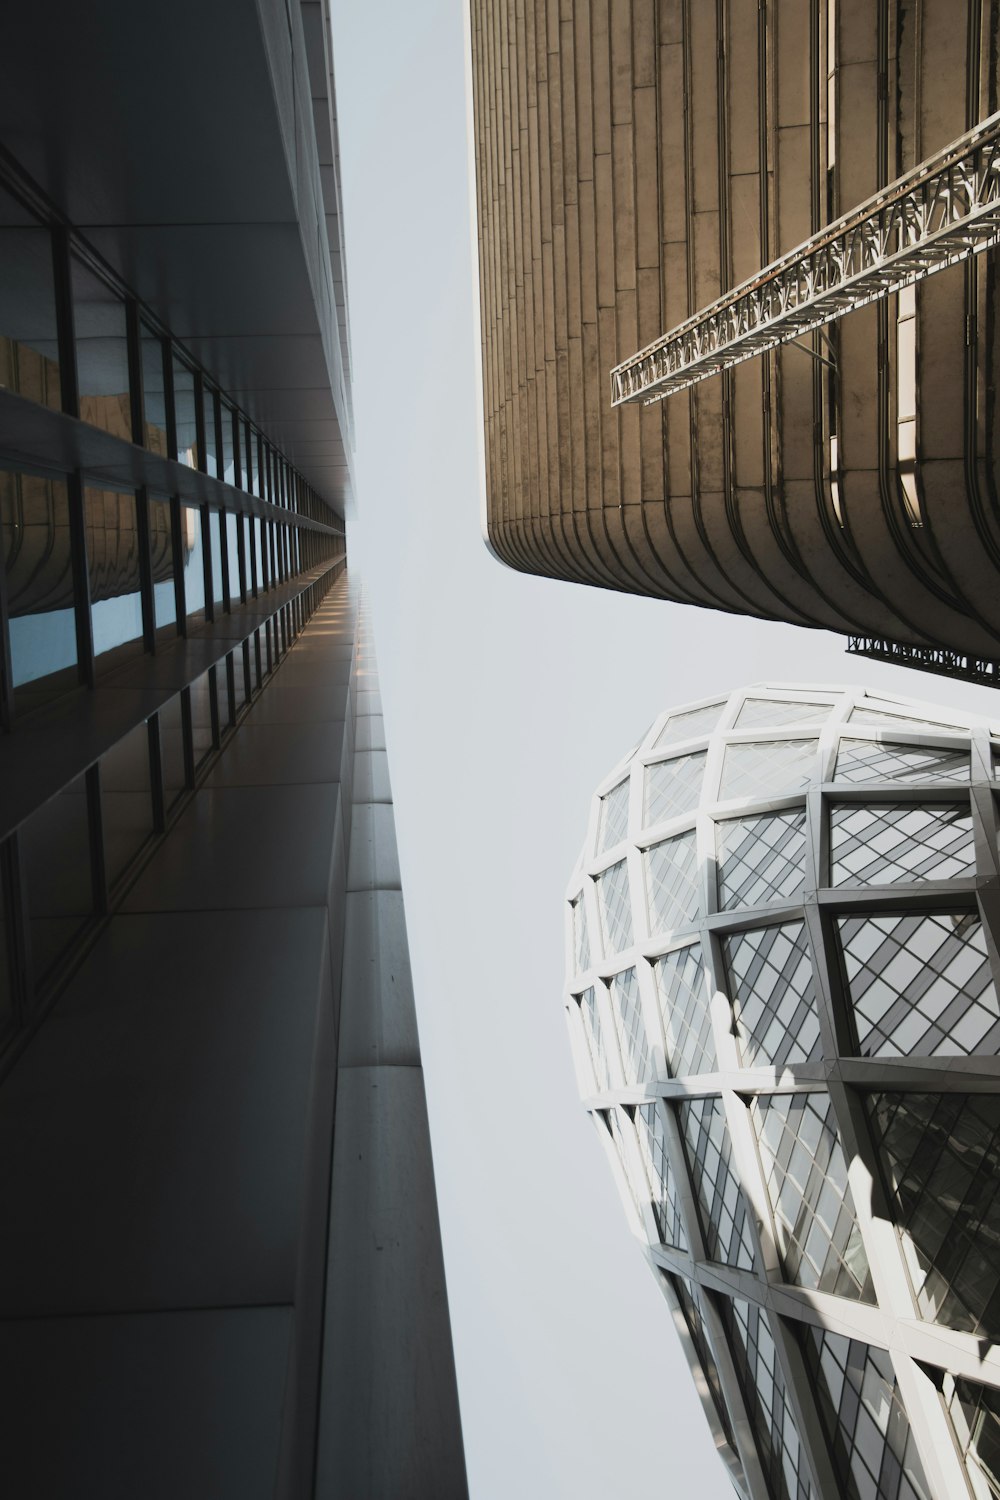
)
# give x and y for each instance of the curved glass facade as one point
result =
(783, 947)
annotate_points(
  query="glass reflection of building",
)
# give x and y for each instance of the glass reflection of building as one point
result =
(783, 947)
(221, 1271)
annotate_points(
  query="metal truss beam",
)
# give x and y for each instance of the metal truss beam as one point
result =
(927, 659)
(944, 211)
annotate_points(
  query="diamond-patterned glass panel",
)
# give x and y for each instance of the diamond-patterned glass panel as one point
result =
(880, 843)
(859, 761)
(721, 1206)
(774, 1002)
(806, 1174)
(672, 884)
(760, 859)
(974, 1411)
(672, 788)
(757, 712)
(782, 1459)
(694, 1319)
(591, 1018)
(940, 1156)
(690, 726)
(616, 908)
(629, 1025)
(581, 942)
(767, 768)
(866, 1424)
(920, 985)
(653, 1150)
(617, 1125)
(877, 717)
(614, 817)
(687, 1019)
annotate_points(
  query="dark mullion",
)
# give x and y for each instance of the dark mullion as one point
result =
(227, 602)
(98, 865)
(145, 570)
(177, 548)
(213, 705)
(241, 554)
(156, 773)
(81, 578)
(206, 557)
(65, 326)
(237, 449)
(231, 687)
(220, 447)
(199, 421)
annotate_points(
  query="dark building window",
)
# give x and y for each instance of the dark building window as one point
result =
(29, 347)
(34, 516)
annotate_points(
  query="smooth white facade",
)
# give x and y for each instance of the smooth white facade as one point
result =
(783, 941)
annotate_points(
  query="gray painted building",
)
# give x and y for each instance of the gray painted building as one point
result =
(221, 1272)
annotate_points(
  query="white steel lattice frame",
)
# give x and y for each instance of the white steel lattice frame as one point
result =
(943, 211)
(892, 1321)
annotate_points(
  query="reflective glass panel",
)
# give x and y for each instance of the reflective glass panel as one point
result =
(672, 788)
(581, 943)
(859, 761)
(591, 1019)
(233, 551)
(202, 698)
(228, 451)
(758, 712)
(215, 528)
(974, 1411)
(154, 401)
(721, 1207)
(613, 820)
(878, 717)
(161, 547)
(208, 399)
(126, 801)
(774, 1001)
(691, 725)
(878, 843)
(34, 514)
(672, 884)
(767, 768)
(616, 909)
(249, 455)
(761, 859)
(172, 750)
(663, 1197)
(768, 1407)
(806, 1174)
(920, 984)
(29, 345)
(632, 1042)
(194, 560)
(185, 416)
(101, 353)
(55, 847)
(694, 1319)
(113, 564)
(940, 1157)
(684, 1009)
(258, 563)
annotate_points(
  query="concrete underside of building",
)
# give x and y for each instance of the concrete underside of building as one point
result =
(635, 160)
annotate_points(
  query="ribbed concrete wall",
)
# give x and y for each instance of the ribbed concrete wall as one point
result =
(635, 158)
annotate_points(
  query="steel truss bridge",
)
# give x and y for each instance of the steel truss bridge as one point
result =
(945, 210)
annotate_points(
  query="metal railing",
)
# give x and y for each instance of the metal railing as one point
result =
(943, 211)
(937, 659)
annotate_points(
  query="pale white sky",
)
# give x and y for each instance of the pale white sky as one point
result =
(506, 700)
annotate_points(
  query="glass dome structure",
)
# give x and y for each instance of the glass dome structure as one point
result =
(783, 945)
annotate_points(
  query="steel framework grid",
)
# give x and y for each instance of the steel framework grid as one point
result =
(916, 762)
(943, 211)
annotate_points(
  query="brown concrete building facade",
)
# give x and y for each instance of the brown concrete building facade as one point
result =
(637, 158)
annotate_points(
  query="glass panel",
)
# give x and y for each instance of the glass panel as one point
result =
(233, 549)
(161, 547)
(691, 725)
(29, 341)
(613, 821)
(774, 1001)
(974, 1410)
(55, 846)
(208, 398)
(172, 751)
(865, 1420)
(768, 1407)
(761, 859)
(590, 1016)
(870, 760)
(184, 415)
(672, 884)
(617, 1124)
(768, 768)
(880, 843)
(194, 562)
(581, 942)
(806, 1175)
(653, 1151)
(34, 514)
(249, 459)
(721, 1206)
(672, 788)
(228, 451)
(691, 1311)
(126, 801)
(215, 527)
(627, 1011)
(113, 564)
(616, 910)
(878, 716)
(940, 1156)
(239, 680)
(101, 353)
(202, 695)
(154, 401)
(921, 985)
(757, 712)
(255, 525)
(684, 1008)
